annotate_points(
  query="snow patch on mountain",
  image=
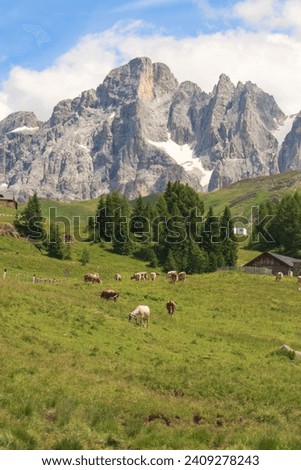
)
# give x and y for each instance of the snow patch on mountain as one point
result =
(184, 156)
(284, 129)
(24, 129)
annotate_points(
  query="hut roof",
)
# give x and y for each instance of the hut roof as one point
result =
(6, 195)
(288, 260)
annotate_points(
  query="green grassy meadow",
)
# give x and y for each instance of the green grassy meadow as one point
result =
(75, 374)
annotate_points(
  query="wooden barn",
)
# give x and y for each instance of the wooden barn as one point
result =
(277, 263)
(8, 200)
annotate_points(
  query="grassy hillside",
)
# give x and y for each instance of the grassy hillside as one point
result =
(76, 374)
(241, 196)
(7, 215)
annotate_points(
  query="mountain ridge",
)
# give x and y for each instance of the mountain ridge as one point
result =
(139, 129)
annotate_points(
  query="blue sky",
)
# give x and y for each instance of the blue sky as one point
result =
(51, 50)
(65, 21)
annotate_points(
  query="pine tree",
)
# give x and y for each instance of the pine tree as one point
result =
(140, 222)
(198, 261)
(112, 222)
(30, 222)
(55, 246)
(229, 245)
(261, 232)
(286, 226)
(103, 229)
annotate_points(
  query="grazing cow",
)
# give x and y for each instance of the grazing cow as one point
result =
(170, 273)
(182, 276)
(117, 277)
(279, 277)
(173, 278)
(142, 276)
(153, 276)
(171, 306)
(109, 294)
(299, 282)
(93, 278)
(290, 273)
(136, 276)
(141, 313)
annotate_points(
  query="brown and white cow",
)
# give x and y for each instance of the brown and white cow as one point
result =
(279, 277)
(109, 294)
(93, 278)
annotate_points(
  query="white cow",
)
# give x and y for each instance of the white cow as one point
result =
(153, 276)
(299, 282)
(141, 313)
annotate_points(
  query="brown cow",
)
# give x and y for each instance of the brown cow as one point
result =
(171, 306)
(93, 278)
(109, 294)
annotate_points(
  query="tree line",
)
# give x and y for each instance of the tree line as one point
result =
(174, 233)
(278, 226)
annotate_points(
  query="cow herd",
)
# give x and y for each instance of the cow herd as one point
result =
(279, 277)
(141, 314)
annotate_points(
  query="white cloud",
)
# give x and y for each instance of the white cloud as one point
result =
(270, 14)
(255, 11)
(271, 60)
(210, 12)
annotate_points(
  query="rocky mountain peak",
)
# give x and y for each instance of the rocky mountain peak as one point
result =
(140, 78)
(139, 129)
(19, 120)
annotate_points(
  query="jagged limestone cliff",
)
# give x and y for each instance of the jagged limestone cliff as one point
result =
(140, 129)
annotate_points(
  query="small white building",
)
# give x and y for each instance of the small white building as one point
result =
(240, 231)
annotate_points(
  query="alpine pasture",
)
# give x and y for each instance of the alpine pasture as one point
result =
(76, 374)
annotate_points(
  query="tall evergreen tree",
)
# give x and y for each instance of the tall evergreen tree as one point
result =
(182, 209)
(229, 245)
(198, 260)
(55, 246)
(212, 240)
(286, 225)
(30, 222)
(140, 222)
(263, 226)
(103, 228)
